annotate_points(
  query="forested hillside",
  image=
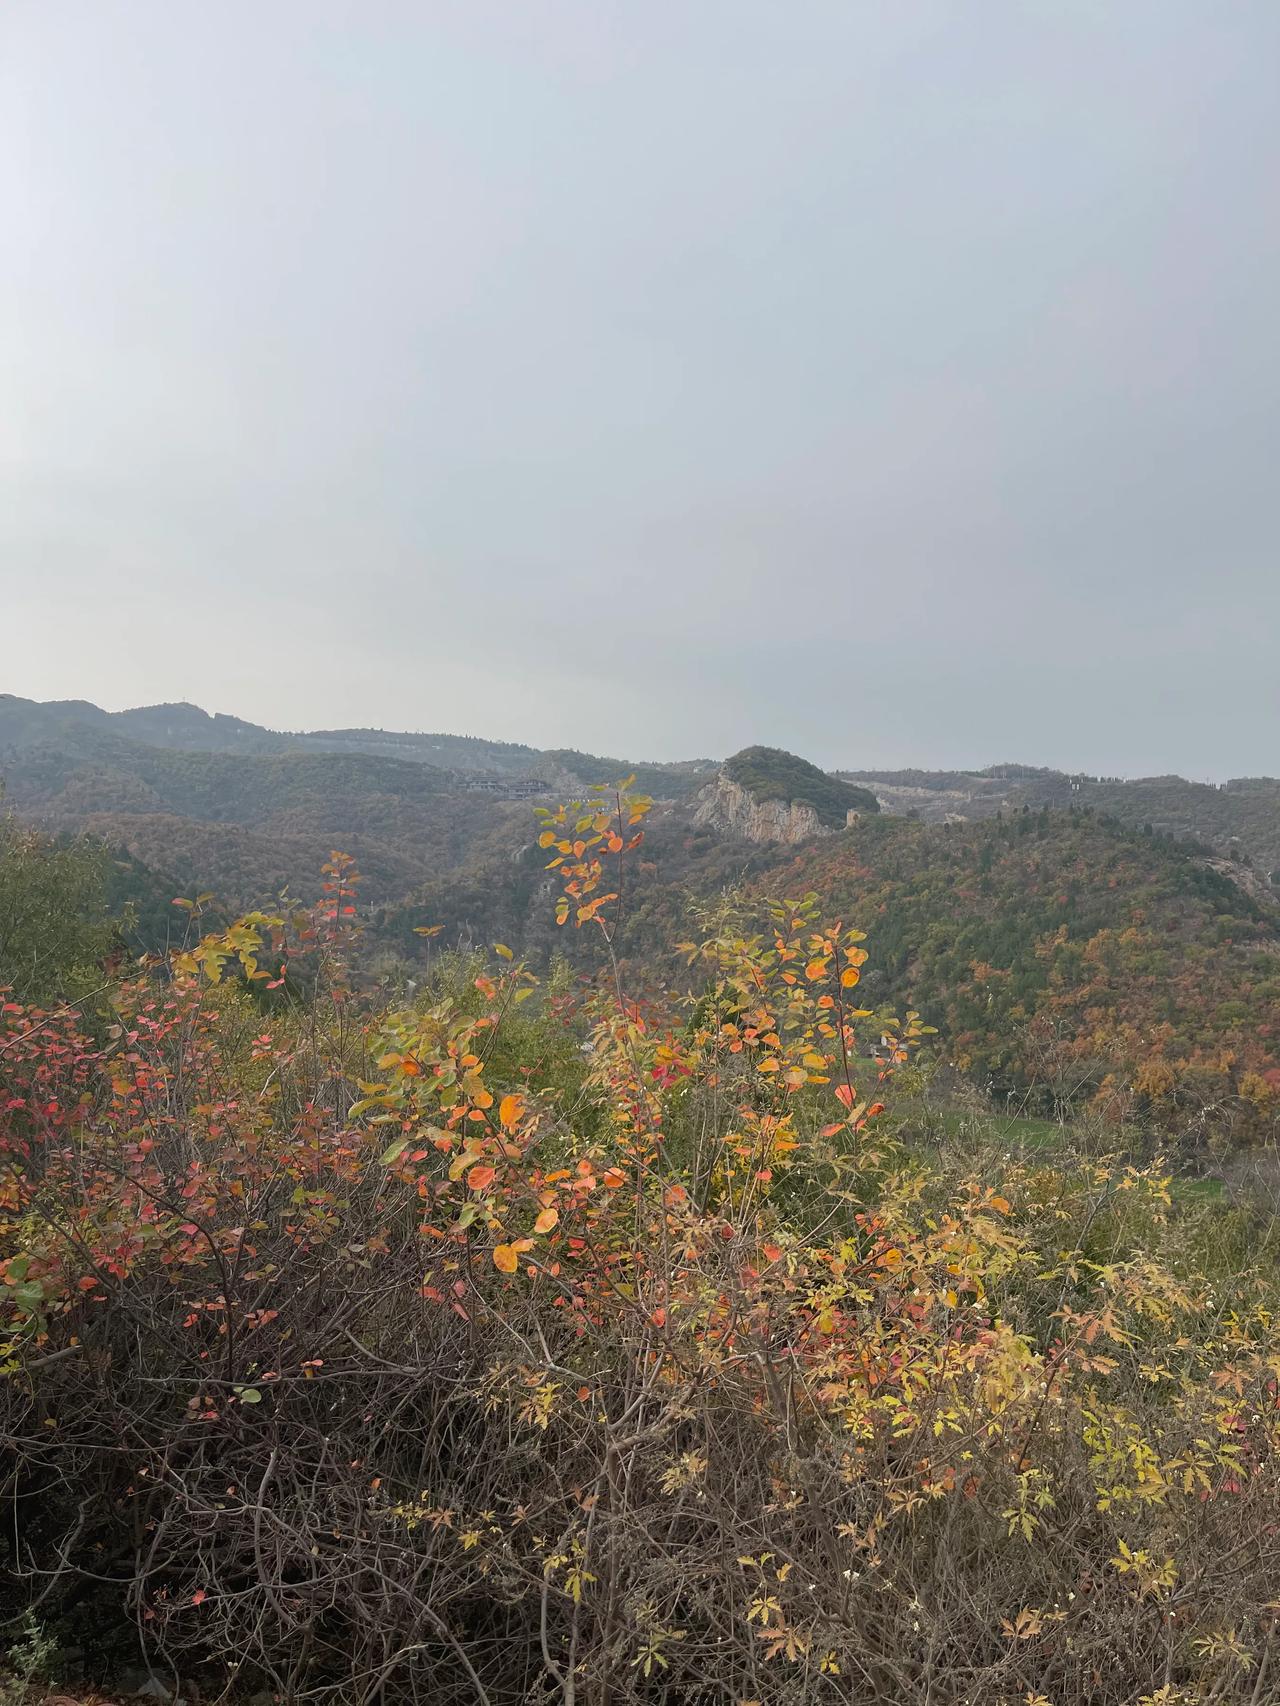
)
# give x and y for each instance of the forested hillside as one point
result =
(1062, 954)
(767, 773)
(1240, 818)
(74, 726)
(1067, 960)
(1070, 957)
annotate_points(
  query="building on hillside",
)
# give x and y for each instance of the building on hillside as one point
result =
(507, 787)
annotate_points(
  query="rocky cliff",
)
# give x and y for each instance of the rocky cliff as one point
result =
(727, 806)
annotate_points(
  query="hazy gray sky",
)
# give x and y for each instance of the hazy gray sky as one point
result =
(894, 382)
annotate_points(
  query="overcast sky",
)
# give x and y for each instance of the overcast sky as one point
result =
(894, 382)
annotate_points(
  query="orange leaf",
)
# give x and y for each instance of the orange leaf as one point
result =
(510, 1109)
(480, 1178)
(849, 976)
(506, 1258)
(547, 1220)
(845, 1094)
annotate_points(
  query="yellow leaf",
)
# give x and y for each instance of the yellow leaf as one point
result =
(506, 1257)
(547, 1220)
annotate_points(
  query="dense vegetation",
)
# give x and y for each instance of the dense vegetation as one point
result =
(1240, 818)
(255, 825)
(1066, 956)
(767, 773)
(56, 928)
(1071, 963)
(550, 1340)
(74, 726)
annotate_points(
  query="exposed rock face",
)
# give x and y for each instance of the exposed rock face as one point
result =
(1256, 887)
(727, 806)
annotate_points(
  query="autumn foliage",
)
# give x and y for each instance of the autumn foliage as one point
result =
(554, 1340)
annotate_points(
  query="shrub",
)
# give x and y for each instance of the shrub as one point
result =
(353, 1353)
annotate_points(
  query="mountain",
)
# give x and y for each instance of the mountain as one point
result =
(1240, 818)
(765, 794)
(186, 728)
(1070, 962)
(214, 802)
(1078, 942)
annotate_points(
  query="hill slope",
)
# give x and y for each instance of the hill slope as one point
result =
(1065, 954)
(74, 723)
(1065, 958)
(1240, 818)
(767, 773)
(218, 803)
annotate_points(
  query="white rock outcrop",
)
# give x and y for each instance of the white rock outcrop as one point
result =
(727, 806)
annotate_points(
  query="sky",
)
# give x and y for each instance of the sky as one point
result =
(898, 383)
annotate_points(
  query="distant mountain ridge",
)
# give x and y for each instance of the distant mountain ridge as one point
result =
(184, 727)
(1239, 818)
(68, 760)
(215, 802)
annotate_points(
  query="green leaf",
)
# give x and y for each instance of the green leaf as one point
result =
(394, 1151)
